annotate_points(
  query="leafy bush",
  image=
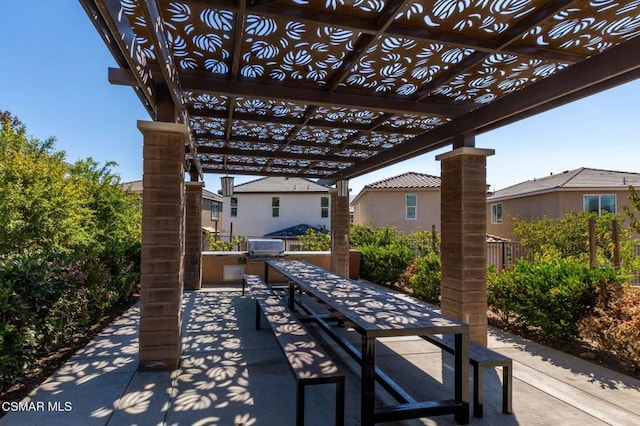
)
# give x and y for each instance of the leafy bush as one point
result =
(424, 242)
(568, 238)
(69, 246)
(314, 240)
(384, 264)
(552, 296)
(423, 276)
(361, 235)
(236, 243)
(46, 300)
(615, 323)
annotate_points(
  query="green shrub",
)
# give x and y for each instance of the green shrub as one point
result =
(384, 264)
(45, 300)
(360, 235)
(69, 246)
(314, 240)
(423, 276)
(424, 242)
(550, 296)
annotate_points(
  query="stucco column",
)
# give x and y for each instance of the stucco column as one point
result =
(162, 245)
(339, 234)
(464, 238)
(193, 236)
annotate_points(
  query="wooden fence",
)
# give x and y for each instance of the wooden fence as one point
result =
(502, 254)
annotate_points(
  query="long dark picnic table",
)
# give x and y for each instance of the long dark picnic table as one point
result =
(375, 313)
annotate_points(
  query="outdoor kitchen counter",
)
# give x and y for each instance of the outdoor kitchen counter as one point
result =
(228, 267)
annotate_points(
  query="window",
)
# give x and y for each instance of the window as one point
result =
(411, 206)
(324, 207)
(215, 210)
(496, 213)
(275, 206)
(597, 203)
(234, 207)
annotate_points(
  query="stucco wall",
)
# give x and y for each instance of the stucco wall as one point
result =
(213, 265)
(550, 205)
(255, 215)
(388, 207)
(206, 215)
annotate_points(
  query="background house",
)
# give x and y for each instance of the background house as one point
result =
(211, 210)
(409, 202)
(556, 195)
(211, 215)
(266, 205)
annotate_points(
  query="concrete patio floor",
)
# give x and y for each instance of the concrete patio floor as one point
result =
(232, 374)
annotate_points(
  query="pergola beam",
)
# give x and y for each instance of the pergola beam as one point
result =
(309, 96)
(274, 155)
(318, 97)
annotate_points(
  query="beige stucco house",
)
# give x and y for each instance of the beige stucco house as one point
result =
(556, 195)
(409, 202)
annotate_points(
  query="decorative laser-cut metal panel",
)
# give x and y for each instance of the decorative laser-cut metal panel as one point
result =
(206, 101)
(588, 27)
(324, 135)
(402, 65)
(497, 76)
(280, 50)
(292, 86)
(204, 125)
(415, 121)
(485, 19)
(270, 131)
(269, 107)
(346, 115)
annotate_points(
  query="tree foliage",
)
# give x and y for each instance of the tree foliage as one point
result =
(314, 240)
(69, 246)
(568, 238)
(634, 202)
(39, 208)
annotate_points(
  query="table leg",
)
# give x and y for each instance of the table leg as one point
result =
(292, 295)
(368, 379)
(462, 377)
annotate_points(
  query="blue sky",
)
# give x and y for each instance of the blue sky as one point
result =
(54, 78)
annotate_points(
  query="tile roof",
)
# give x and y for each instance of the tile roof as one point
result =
(407, 180)
(277, 184)
(211, 195)
(582, 178)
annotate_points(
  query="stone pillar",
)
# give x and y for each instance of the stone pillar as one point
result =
(339, 234)
(193, 236)
(162, 245)
(464, 238)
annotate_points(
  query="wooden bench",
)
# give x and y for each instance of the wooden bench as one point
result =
(309, 363)
(480, 357)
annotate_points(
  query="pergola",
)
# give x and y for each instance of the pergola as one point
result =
(333, 89)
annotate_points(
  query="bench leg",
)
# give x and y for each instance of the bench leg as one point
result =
(507, 382)
(257, 315)
(477, 392)
(340, 402)
(300, 393)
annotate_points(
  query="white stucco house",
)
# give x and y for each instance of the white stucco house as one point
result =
(266, 205)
